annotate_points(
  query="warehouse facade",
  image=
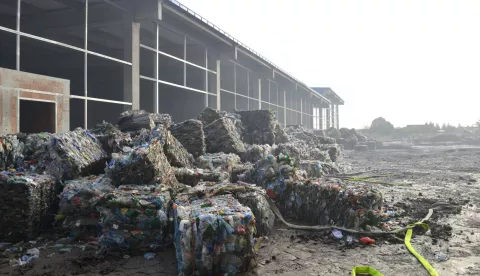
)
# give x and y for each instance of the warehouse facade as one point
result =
(76, 63)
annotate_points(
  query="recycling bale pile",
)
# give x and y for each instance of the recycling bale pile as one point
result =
(349, 206)
(176, 154)
(35, 145)
(135, 217)
(192, 177)
(132, 120)
(72, 154)
(213, 236)
(27, 205)
(78, 204)
(317, 200)
(218, 160)
(111, 138)
(11, 152)
(255, 153)
(259, 126)
(190, 134)
(222, 136)
(144, 164)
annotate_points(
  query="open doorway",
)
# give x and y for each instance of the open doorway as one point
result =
(37, 116)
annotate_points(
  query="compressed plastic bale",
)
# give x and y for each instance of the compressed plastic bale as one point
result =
(351, 142)
(222, 136)
(372, 145)
(220, 160)
(209, 116)
(280, 135)
(213, 236)
(11, 152)
(294, 152)
(259, 126)
(238, 170)
(135, 217)
(111, 138)
(320, 155)
(132, 120)
(350, 206)
(361, 148)
(255, 153)
(145, 164)
(73, 154)
(162, 119)
(81, 196)
(335, 133)
(176, 154)
(190, 134)
(192, 177)
(264, 216)
(312, 167)
(27, 205)
(333, 150)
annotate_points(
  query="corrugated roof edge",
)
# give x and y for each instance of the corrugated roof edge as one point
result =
(222, 32)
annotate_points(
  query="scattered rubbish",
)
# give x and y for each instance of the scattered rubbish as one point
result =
(441, 257)
(149, 256)
(64, 250)
(126, 257)
(349, 240)
(367, 240)
(337, 234)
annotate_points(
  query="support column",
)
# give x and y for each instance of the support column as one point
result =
(259, 93)
(155, 71)
(329, 113)
(338, 117)
(218, 84)
(135, 65)
(301, 111)
(284, 108)
(206, 78)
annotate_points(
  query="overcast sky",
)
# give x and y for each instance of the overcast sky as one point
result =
(410, 61)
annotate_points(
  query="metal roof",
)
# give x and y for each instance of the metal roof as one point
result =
(330, 94)
(239, 43)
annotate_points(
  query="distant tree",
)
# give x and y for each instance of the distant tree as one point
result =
(380, 125)
(444, 126)
(437, 126)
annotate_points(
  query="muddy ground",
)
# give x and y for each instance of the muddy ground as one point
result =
(446, 179)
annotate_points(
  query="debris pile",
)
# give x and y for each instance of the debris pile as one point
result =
(137, 185)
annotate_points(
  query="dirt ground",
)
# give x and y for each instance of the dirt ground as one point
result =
(446, 179)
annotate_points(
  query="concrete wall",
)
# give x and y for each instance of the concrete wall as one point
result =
(15, 85)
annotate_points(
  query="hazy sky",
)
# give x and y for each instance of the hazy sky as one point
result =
(410, 61)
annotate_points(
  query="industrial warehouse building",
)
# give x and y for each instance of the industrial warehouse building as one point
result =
(75, 63)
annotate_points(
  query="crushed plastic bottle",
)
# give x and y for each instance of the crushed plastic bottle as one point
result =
(441, 257)
(349, 239)
(337, 233)
(149, 256)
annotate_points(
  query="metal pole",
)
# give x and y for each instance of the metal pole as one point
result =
(269, 101)
(248, 89)
(17, 50)
(185, 59)
(235, 86)
(285, 108)
(259, 93)
(301, 112)
(206, 77)
(218, 84)
(156, 96)
(85, 69)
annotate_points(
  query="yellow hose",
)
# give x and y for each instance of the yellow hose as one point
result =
(420, 258)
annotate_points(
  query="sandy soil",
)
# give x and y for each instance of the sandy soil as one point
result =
(446, 179)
